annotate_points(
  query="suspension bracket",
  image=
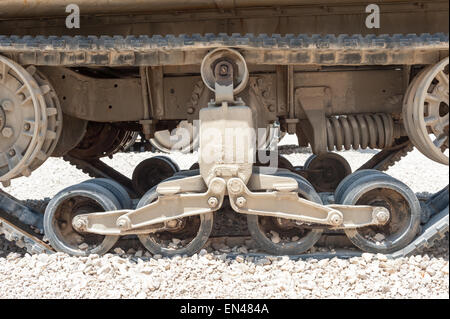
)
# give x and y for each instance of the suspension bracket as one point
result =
(287, 204)
(154, 217)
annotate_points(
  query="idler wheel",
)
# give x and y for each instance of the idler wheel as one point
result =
(30, 120)
(426, 111)
(279, 236)
(380, 189)
(79, 199)
(185, 237)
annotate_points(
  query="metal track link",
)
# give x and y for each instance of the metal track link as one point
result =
(388, 157)
(97, 169)
(22, 225)
(432, 231)
(160, 50)
(23, 239)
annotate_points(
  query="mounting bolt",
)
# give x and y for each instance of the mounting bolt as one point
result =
(80, 223)
(7, 105)
(223, 69)
(190, 110)
(213, 202)
(11, 152)
(335, 219)
(235, 187)
(27, 126)
(381, 215)
(123, 222)
(241, 201)
(7, 132)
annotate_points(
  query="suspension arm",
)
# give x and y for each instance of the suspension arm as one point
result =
(282, 204)
(154, 216)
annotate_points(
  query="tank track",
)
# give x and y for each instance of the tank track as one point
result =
(388, 157)
(22, 225)
(160, 50)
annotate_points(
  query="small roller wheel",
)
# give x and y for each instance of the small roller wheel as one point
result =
(350, 179)
(327, 171)
(151, 172)
(79, 199)
(115, 188)
(293, 238)
(187, 238)
(404, 209)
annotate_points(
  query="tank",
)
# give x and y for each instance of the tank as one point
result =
(226, 79)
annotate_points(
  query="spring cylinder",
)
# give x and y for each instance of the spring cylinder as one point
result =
(360, 131)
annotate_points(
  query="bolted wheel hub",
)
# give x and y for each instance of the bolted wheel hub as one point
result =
(30, 120)
(426, 111)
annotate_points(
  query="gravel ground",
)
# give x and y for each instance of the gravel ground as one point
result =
(209, 274)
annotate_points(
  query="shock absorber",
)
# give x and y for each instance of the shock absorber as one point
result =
(360, 131)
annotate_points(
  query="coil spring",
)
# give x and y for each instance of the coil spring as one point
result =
(360, 131)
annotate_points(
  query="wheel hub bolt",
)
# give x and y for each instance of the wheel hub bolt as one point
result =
(27, 126)
(12, 152)
(123, 222)
(223, 69)
(213, 202)
(381, 215)
(80, 223)
(241, 201)
(335, 219)
(7, 132)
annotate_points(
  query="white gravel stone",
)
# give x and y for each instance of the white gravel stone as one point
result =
(83, 246)
(379, 237)
(275, 237)
(119, 251)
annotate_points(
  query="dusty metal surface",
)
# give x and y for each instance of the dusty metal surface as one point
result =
(229, 17)
(262, 49)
